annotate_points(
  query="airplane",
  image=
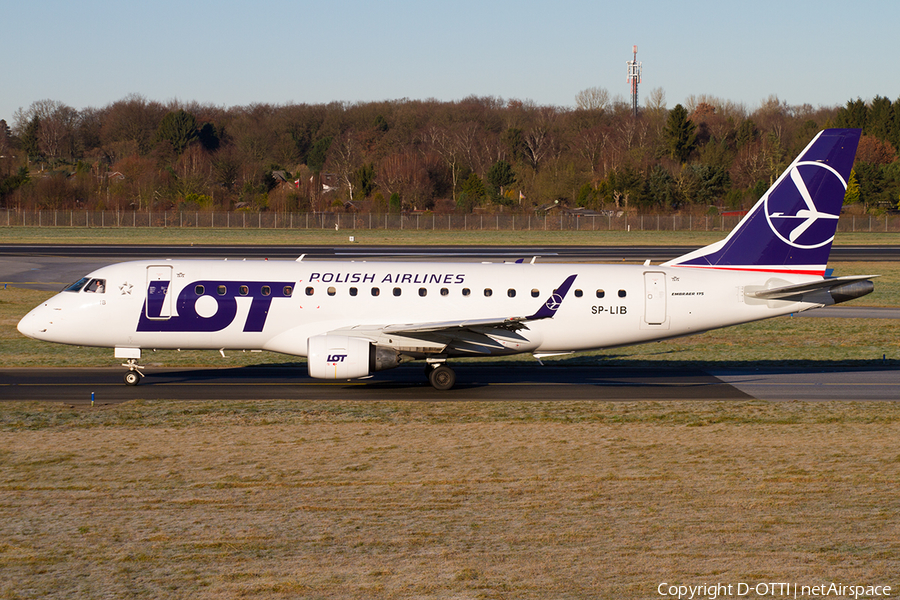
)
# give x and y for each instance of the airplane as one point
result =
(350, 319)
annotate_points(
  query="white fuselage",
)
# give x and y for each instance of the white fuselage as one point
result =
(279, 305)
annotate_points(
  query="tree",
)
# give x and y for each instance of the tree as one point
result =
(209, 137)
(593, 98)
(663, 189)
(11, 183)
(364, 180)
(29, 138)
(680, 134)
(500, 175)
(851, 196)
(873, 150)
(472, 193)
(315, 160)
(179, 128)
(853, 115)
(129, 125)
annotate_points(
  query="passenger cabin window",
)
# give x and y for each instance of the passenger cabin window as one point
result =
(375, 291)
(221, 290)
(266, 290)
(332, 291)
(579, 293)
(535, 293)
(244, 290)
(466, 291)
(353, 291)
(310, 291)
(199, 290)
(511, 293)
(423, 292)
(445, 292)
(397, 291)
(76, 287)
(600, 293)
(97, 286)
(622, 293)
(288, 291)
(488, 292)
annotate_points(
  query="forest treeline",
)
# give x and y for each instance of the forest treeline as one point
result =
(476, 154)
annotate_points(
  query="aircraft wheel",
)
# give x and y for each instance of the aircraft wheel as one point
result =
(442, 378)
(132, 378)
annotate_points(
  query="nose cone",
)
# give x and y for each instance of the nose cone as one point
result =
(35, 323)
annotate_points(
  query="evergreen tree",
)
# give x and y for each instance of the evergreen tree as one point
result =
(472, 193)
(315, 160)
(394, 203)
(851, 196)
(364, 180)
(209, 137)
(179, 128)
(680, 134)
(854, 115)
(500, 175)
(29, 138)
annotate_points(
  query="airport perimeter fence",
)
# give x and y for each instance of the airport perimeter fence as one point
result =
(420, 221)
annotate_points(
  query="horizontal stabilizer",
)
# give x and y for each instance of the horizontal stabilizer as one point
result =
(841, 289)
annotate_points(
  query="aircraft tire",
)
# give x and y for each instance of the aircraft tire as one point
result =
(132, 378)
(442, 378)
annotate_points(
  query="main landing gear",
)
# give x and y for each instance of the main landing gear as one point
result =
(134, 374)
(440, 376)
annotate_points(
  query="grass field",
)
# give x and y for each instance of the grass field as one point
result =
(356, 499)
(67, 235)
(443, 500)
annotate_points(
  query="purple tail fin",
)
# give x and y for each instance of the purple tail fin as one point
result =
(791, 228)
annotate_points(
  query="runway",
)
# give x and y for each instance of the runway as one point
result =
(494, 382)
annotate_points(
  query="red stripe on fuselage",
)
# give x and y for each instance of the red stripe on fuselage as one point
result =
(820, 273)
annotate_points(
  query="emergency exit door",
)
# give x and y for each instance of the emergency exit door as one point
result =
(654, 298)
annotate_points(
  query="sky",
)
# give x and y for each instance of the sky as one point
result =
(228, 53)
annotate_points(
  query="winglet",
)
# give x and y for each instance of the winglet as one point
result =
(554, 301)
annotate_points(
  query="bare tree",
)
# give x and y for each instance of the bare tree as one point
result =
(344, 158)
(593, 98)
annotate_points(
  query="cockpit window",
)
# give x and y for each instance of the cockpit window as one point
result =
(97, 286)
(76, 287)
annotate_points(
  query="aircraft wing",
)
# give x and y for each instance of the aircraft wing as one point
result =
(510, 323)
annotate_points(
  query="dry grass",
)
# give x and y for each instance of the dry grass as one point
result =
(443, 500)
(188, 235)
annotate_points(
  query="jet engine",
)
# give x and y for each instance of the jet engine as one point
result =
(346, 357)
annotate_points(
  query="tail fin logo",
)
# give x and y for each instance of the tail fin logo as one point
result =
(792, 212)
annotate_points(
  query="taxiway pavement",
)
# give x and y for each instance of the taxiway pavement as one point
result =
(494, 382)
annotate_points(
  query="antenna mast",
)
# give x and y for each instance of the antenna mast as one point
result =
(634, 78)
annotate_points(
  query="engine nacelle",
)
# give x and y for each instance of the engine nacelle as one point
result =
(346, 357)
(852, 290)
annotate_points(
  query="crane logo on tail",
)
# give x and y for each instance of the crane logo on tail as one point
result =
(791, 212)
